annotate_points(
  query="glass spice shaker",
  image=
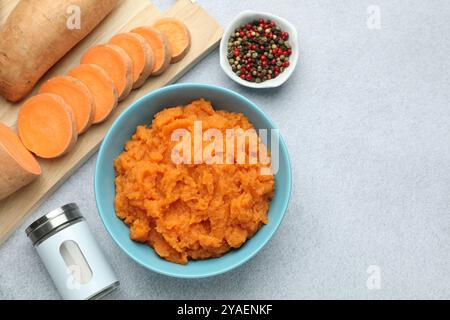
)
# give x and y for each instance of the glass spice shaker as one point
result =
(71, 255)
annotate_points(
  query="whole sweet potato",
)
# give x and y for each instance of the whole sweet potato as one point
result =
(37, 34)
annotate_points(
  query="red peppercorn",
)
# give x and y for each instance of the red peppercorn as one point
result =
(285, 35)
(273, 24)
(248, 76)
(276, 69)
(276, 73)
(253, 47)
(269, 76)
(261, 47)
(248, 26)
(270, 36)
(275, 51)
(236, 53)
(264, 63)
(285, 53)
(272, 62)
(261, 21)
(248, 66)
(263, 58)
(289, 51)
(286, 64)
(242, 76)
(249, 35)
(243, 70)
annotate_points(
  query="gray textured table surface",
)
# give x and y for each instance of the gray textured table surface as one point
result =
(366, 118)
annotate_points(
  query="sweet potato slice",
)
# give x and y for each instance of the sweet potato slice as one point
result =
(117, 64)
(140, 53)
(178, 35)
(77, 95)
(19, 167)
(101, 87)
(47, 126)
(160, 46)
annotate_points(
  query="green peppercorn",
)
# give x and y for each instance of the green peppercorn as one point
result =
(270, 56)
(258, 80)
(274, 46)
(282, 57)
(254, 55)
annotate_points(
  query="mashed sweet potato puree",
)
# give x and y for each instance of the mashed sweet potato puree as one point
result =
(189, 211)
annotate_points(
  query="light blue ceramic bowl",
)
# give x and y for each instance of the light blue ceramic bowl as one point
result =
(141, 112)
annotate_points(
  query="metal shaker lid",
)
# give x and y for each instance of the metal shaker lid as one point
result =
(55, 220)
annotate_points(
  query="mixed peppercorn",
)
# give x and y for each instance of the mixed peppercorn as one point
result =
(259, 51)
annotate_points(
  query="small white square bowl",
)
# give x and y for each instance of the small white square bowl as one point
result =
(248, 16)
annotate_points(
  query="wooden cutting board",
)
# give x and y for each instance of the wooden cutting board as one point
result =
(206, 34)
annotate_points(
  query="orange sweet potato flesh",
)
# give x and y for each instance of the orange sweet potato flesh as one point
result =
(189, 211)
(117, 64)
(101, 87)
(178, 36)
(47, 126)
(35, 37)
(18, 165)
(77, 95)
(160, 46)
(140, 53)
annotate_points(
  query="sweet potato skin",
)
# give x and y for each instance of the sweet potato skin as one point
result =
(35, 37)
(12, 176)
